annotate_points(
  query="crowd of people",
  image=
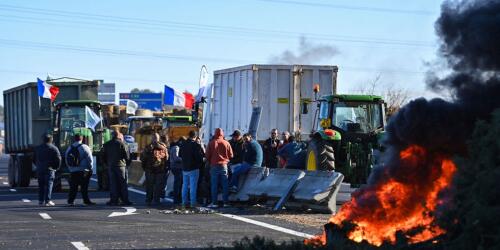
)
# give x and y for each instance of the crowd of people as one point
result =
(200, 173)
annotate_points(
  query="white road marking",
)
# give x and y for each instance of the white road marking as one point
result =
(266, 225)
(79, 245)
(247, 220)
(45, 216)
(26, 200)
(5, 183)
(12, 190)
(129, 211)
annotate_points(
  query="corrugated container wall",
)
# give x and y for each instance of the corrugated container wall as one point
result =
(278, 89)
(27, 116)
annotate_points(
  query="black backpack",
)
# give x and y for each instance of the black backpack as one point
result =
(73, 157)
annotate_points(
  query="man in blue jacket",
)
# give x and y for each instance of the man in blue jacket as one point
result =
(79, 160)
(294, 153)
(252, 157)
(47, 160)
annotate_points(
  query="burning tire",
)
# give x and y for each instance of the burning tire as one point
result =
(320, 155)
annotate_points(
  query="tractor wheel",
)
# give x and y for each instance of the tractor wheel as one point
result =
(320, 156)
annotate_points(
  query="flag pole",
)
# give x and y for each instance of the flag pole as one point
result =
(201, 72)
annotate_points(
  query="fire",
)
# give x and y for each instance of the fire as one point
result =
(404, 202)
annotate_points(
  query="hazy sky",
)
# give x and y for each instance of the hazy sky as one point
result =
(147, 44)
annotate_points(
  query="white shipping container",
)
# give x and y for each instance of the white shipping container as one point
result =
(278, 89)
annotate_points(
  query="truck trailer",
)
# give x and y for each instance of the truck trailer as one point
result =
(28, 117)
(282, 91)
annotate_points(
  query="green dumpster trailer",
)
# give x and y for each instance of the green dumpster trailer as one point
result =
(28, 117)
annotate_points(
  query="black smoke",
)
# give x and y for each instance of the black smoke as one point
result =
(308, 53)
(469, 33)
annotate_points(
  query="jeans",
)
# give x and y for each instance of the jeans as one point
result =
(164, 185)
(238, 170)
(177, 185)
(45, 183)
(81, 179)
(190, 180)
(218, 174)
(154, 184)
(118, 184)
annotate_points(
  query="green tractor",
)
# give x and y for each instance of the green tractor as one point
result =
(347, 132)
(70, 119)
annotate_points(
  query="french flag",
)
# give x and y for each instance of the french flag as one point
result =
(46, 90)
(176, 98)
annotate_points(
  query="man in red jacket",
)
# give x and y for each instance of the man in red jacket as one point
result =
(218, 154)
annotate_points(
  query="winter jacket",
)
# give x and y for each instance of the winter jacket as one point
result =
(47, 157)
(270, 149)
(191, 153)
(253, 154)
(86, 160)
(219, 151)
(175, 159)
(115, 153)
(295, 155)
(237, 147)
(154, 158)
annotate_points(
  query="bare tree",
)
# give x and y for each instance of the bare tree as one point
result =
(394, 95)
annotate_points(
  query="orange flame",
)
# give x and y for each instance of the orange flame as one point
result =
(398, 204)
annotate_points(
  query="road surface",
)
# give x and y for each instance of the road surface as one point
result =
(25, 225)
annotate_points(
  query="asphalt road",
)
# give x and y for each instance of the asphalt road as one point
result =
(25, 225)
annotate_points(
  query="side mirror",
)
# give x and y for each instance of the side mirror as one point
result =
(304, 108)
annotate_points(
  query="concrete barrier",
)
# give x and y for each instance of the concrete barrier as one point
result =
(248, 183)
(135, 173)
(279, 184)
(317, 190)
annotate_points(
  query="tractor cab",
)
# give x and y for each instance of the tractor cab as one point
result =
(72, 117)
(347, 131)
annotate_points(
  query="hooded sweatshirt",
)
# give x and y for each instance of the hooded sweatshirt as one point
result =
(219, 151)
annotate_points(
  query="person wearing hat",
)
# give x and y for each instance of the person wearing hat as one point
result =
(236, 143)
(47, 160)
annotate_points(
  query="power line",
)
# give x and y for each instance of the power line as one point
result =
(213, 29)
(114, 52)
(349, 7)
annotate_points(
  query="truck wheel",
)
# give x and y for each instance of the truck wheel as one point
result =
(12, 171)
(24, 169)
(320, 156)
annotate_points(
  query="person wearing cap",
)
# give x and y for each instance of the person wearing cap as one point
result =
(218, 154)
(116, 157)
(252, 157)
(47, 160)
(270, 149)
(236, 143)
(81, 172)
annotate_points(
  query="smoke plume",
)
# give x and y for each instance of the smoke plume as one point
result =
(435, 131)
(470, 47)
(308, 53)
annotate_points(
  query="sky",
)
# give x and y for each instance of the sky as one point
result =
(147, 44)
